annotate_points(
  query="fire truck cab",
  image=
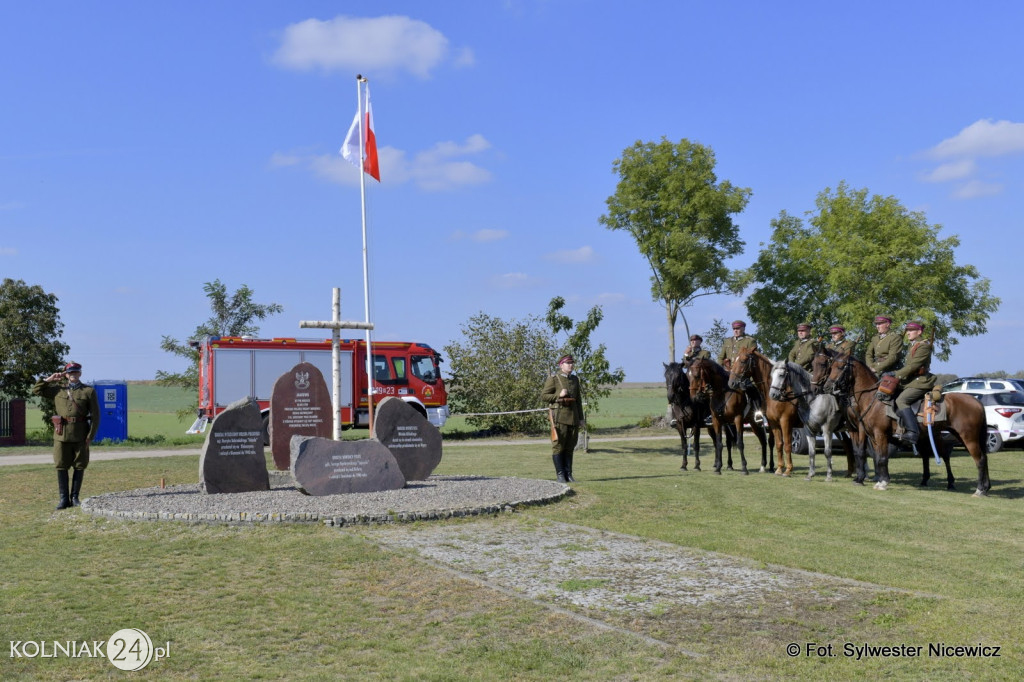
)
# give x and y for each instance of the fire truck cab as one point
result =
(234, 367)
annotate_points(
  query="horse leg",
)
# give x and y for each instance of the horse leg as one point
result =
(827, 437)
(682, 437)
(949, 470)
(980, 455)
(739, 445)
(857, 449)
(731, 437)
(811, 452)
(880, 443)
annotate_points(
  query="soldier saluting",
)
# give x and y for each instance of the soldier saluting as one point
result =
(74, 427)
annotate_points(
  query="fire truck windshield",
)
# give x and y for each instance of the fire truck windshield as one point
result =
(424, 368)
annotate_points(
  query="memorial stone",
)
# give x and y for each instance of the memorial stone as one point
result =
(232, 459)
(321, 466)
(415, 442)
(300, 405)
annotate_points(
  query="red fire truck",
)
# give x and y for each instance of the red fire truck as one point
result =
(233, 367)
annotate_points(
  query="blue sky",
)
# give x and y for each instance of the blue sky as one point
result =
(150, 147)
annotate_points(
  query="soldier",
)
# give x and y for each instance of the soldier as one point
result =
(839, 343)
(883, 352)
(804, 349)
(916, 379)
(694, 351)
(74, 427)
(561, 392)
(731, 347)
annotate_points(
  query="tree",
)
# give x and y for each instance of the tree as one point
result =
(233, 315)
(669, 199)
(857, 258)
(30, 337)
(501, 367)
(592, 367)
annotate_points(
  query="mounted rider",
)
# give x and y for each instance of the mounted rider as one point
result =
(839, 343)
(884, 349)
(804, 349)
(694, 350)
(915, 378)
(730, 351)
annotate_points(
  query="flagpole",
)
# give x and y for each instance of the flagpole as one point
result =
(366, 272)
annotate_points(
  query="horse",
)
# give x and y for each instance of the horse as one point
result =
(709, 385)
(965, 419)
(822, 405)
(752, 366)
(687, 414)
(820, 413)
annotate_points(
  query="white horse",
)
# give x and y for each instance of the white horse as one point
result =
(820, 413)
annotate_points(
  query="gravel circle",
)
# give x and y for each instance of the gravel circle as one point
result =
(438, 497)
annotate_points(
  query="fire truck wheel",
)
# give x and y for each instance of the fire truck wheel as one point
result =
(266, 429)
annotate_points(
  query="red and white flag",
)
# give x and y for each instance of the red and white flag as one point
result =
(350, 148)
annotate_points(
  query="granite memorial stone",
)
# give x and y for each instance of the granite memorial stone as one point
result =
(300, 405)
(415, 442)
(321, 466)
(232, 459)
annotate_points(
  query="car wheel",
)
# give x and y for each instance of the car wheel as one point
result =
(799, 442)
(993, 441)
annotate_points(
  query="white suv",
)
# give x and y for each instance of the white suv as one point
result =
(980, 386)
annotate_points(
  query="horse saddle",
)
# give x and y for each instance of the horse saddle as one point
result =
(938, 405)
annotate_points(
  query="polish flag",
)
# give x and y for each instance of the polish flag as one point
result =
(350, 148)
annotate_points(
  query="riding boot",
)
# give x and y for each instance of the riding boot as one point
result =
(62, 487)
(76, 486)
(559, 462)
(568, 468)
(910, 429)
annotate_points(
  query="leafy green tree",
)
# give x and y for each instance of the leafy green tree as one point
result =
(233, 315)
(670, 200)
(592, 366)
(714, 337)
(857, 257)
(30, 337)
(500, 367)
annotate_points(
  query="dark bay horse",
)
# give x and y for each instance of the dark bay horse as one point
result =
(965, 418)
(689, 415)
(782, 415)
(709, 385)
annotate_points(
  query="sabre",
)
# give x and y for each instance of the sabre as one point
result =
(929, 419)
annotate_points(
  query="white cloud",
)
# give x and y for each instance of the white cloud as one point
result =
(982, 138)
(512, 280)
(8, 251)
(436, 169)
(485, 235)
(367, 45)
(584, 254)
(977, 188)
(955, 170)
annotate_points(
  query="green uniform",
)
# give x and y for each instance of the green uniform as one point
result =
(567, 414)
(689, 356)
(79, 409)
(915, 375)
(731, 348)
(842, 346)
(803, 353)
(883, 352)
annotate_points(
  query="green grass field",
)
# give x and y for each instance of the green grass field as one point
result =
(312, 602)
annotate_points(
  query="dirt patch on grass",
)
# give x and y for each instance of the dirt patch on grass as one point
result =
(676, 595)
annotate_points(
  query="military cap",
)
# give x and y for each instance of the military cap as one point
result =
(696, 337)
(739, 324)
(803, 327)
(915, 325)
(566, 358)
(72, 367)
(836, 329)
(882, 319)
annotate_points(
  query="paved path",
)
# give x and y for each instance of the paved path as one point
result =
(105, 454)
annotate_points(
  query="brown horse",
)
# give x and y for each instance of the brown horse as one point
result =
(965, 419)
(689, 415)
(782, 415)
(709, 385)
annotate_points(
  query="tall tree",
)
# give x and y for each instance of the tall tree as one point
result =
(592, 366)
(30, 336)
(669, 199)
(233, 315)
(860, 256)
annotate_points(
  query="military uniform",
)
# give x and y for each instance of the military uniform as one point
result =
(915, 375)
(803, 353)
(78, 418)
(567, 414)
(883, 352)
(689, 356)
(731, 348)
